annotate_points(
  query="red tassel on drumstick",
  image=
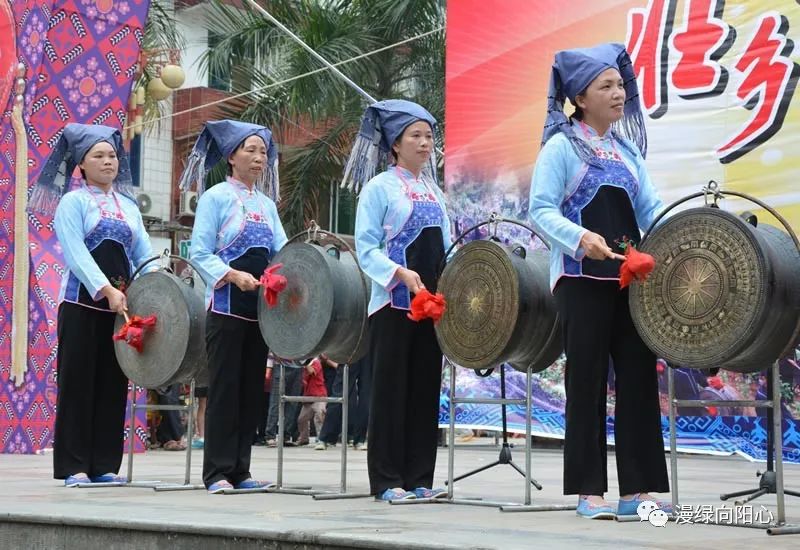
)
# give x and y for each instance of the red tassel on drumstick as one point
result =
(273, 284)
(134, 330)
(427, 306)
(637, 265)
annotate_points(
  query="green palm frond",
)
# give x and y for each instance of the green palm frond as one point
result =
(311, 171)
(321, 107)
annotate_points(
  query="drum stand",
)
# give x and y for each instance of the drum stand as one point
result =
(771, 480)
(157, 485)
(505, 452)
(344, 401)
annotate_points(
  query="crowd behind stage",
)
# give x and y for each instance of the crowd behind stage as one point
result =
(318, 425)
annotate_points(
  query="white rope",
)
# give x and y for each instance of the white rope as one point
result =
(293, 78)
(19, 315)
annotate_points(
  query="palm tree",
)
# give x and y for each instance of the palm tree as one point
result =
(320, 110)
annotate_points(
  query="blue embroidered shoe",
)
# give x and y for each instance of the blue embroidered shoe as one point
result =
(594, 511)
(218, 486)
(422, 492)
(251, 483)
(395, 494)
(631, 507)
(77, 479)
(109, 478)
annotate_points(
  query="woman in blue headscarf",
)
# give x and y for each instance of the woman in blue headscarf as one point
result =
(236, 232)
(102, 237)
(402, 233)
(590, 193)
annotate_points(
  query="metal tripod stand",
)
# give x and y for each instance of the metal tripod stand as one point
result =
(768, 484)
(505, 450)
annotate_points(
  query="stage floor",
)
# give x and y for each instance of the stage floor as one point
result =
(37, 512)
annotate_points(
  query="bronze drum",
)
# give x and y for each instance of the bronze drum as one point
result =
(724, 292)
(174, 350)
(201, 373)
(499, 308)
(323, 308)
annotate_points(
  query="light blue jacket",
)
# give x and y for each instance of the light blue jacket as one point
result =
(558, 173)
(76, 216)
(383, 209)
(219, 220)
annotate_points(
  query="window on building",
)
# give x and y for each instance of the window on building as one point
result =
(346, 212)
(227, 79)
(135, 159)
(342, 210)
(218, 78)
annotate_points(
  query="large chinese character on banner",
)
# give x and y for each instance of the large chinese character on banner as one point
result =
(718, 83)
(79, 59)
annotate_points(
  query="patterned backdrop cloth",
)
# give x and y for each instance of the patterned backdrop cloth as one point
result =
(80, 57)
(702, 431)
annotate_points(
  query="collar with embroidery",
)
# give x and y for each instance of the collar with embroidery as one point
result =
(241, 185)
(94, 190)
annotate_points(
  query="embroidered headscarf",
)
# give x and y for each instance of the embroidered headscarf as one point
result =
(72, 146)
(573, 71)
(218, 140)
(381, 126)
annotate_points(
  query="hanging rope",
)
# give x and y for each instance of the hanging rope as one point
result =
(292, 79)
(19, 316)
(311, 50)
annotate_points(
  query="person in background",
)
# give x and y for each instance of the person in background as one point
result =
(313, 386)
(260, 438)
(293, 371)
(170, 428)
(360, 382)
(329, 371)
(201, 394)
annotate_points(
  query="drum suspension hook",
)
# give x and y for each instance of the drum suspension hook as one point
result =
(712, 190)
(313, 230)
(494, 221)
(165, 258)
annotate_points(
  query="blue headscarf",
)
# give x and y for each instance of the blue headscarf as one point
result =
(573, 71)
(381, 126)
(75, 141)
(218, 141)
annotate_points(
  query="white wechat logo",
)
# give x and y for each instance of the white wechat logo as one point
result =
(648, 510)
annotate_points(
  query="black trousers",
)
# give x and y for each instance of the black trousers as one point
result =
(329, 374)
(170, 428)
(261, 429)
(92, 392)
(237, 363)
(292, 386)
(404, 411)
(597, 324)
(360, 382)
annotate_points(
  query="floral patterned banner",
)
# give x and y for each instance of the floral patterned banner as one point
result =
(80, 58)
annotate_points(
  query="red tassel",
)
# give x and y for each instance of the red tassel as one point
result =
(636, 267)
(427, 306)
(715, 382)
(134, 330)
(273, 284)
